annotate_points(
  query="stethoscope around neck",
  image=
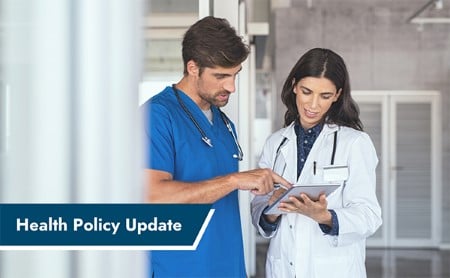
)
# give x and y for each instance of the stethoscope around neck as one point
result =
(205, 138)
(284, 141)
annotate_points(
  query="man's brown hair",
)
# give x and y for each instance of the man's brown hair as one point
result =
(212, 42)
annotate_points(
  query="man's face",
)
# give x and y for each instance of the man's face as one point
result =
(214, 86)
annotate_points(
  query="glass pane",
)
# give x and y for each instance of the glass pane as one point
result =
(165, 22)
(413, 171)
(163, 55)
(263, 96)
(173, 6)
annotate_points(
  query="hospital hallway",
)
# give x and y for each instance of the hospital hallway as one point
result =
(390, 263)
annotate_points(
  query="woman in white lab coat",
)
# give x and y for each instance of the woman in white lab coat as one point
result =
(322, 142)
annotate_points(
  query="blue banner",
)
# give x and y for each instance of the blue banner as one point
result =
(146, 226)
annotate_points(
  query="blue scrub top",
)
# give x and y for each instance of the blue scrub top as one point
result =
(175, 146)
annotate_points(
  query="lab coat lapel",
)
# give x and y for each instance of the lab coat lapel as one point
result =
(289, 154)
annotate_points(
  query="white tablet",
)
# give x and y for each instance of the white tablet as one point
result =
(312, 190)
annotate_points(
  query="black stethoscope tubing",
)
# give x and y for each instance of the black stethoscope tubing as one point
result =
(334, 147)
(197, 125)
(205, 138)
(332, 154)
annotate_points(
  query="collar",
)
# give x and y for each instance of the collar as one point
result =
(289, 131)
(314, 131)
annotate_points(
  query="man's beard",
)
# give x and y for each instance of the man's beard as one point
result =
(215, 99)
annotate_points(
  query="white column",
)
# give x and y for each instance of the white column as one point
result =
(107, 142)
(203, 8)
(241, 110)
(35, 163)
(72, 70)
(230, 10)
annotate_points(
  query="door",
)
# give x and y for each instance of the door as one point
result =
(405, 128)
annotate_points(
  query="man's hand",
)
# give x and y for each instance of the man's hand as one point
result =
(259, 181)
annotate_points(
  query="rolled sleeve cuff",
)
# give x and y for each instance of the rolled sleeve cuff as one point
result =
(334, 229)
(267, 226)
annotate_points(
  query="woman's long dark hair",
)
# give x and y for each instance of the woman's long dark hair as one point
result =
(320, 62)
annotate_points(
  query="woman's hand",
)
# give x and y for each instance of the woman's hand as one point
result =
(317, 210)
(276, 194)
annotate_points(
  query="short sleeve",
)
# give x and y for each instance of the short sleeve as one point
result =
(160, 152)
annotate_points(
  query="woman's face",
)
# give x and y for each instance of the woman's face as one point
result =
(314, 96)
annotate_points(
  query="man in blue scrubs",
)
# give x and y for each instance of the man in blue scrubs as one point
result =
(193, 156)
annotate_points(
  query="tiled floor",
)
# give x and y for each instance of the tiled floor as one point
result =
(390, 263)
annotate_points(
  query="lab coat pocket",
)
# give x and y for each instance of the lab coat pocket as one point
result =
(273, 267)
(334, 267)
(335, 173)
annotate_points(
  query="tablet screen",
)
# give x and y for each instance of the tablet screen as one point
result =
(312, 190)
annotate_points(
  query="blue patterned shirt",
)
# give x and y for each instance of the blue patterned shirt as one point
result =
(305, 141)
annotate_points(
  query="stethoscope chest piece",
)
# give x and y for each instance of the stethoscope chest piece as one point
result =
(207, 141)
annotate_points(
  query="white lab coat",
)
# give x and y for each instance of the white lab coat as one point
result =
(298, 248)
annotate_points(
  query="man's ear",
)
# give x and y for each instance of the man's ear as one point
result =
(192, 68)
